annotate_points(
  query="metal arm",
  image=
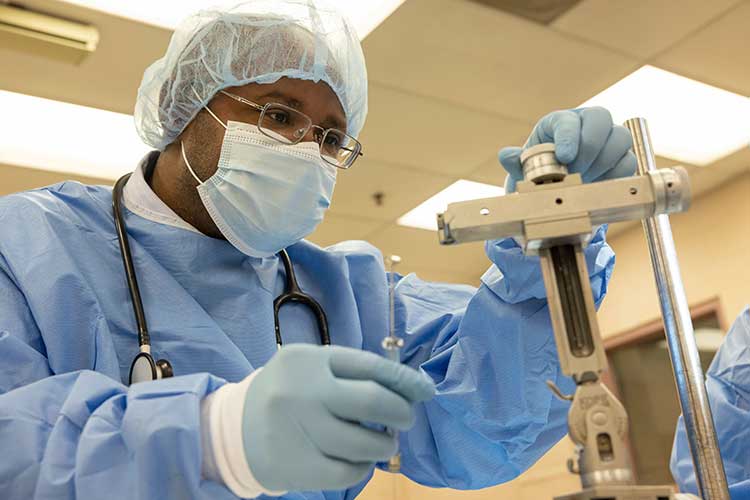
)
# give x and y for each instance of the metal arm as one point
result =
(553, 215)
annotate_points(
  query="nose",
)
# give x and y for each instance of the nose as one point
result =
(310, 135)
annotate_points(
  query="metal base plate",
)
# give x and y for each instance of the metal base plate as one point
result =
(622, 493)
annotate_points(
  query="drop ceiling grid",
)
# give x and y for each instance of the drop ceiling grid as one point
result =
(488, 60)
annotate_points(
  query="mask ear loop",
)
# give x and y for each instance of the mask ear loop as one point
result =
(215, 117)
(182, 144)
(187, 163)
(205, 106)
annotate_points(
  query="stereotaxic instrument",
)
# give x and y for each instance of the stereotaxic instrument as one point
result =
(553, 215)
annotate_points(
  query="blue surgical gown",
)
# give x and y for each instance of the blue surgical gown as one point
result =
(70, 427)
(728, 387)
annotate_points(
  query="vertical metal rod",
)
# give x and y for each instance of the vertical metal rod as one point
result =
(392, 345)
(678, 326)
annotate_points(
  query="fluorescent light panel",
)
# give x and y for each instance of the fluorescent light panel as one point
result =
(365, 15)
(424, 216)
(53, 135)
(689, 121)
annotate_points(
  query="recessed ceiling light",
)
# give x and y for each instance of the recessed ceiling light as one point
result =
(425, 215)
(689, 121)
(53, 135)
(365, 15)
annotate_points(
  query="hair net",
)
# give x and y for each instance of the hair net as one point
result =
(258, 41)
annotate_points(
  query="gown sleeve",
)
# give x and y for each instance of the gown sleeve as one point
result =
(489, 352)
(85, 435)
(728, 387)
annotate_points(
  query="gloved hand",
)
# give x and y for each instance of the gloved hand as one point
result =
(585, 140)
(302, 416)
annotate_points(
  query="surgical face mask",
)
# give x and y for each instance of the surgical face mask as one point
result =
(265, 195)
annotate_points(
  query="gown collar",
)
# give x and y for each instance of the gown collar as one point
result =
(140, 199)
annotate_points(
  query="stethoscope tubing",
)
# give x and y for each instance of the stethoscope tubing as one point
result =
(144, 338)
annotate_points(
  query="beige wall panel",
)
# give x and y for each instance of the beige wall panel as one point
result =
(14, 179)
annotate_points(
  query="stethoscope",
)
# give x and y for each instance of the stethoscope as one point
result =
(144, 368)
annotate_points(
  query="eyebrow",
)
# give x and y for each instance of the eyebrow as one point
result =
(333, 122)
(330, 121)
(274, 93)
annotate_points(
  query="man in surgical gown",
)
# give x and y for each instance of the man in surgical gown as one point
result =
(728, 387)
(72, 427)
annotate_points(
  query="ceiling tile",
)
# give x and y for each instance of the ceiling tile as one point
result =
(718, 54)
(407, 129)
(402, 189)
(641, 28)
(420, 248)
(488, 60)
(337, 228)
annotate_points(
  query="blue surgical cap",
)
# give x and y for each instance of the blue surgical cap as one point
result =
(258, 41)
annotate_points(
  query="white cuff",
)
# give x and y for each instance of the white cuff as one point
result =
(221, 436)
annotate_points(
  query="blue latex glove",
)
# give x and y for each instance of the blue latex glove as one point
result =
(302, 416)
(585, 140)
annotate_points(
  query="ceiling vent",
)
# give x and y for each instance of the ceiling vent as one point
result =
(45, 35)
(539, 11)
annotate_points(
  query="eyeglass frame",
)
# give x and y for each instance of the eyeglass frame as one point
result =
(261, 108)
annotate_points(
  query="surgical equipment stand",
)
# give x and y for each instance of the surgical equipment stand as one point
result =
(553, 215)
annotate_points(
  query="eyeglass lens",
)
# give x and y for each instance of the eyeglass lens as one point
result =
(289, 126)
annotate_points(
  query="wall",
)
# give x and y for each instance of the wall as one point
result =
(713, 246)
(14, 178)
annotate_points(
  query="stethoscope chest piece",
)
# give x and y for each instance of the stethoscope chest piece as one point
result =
(145, 369)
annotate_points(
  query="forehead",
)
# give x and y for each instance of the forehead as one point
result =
(316, 99)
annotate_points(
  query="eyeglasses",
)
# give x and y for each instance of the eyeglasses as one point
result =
(289, 126)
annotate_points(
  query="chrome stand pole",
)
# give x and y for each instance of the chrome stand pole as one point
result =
(678, 326)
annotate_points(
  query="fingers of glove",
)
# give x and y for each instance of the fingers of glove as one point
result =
(349, 441)
(618, 144)
(596, 125)
(363, 365)
(338, 474)
(510, 159)
(564, 129)
(624, 168)
(510, 184)
(367, 401)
